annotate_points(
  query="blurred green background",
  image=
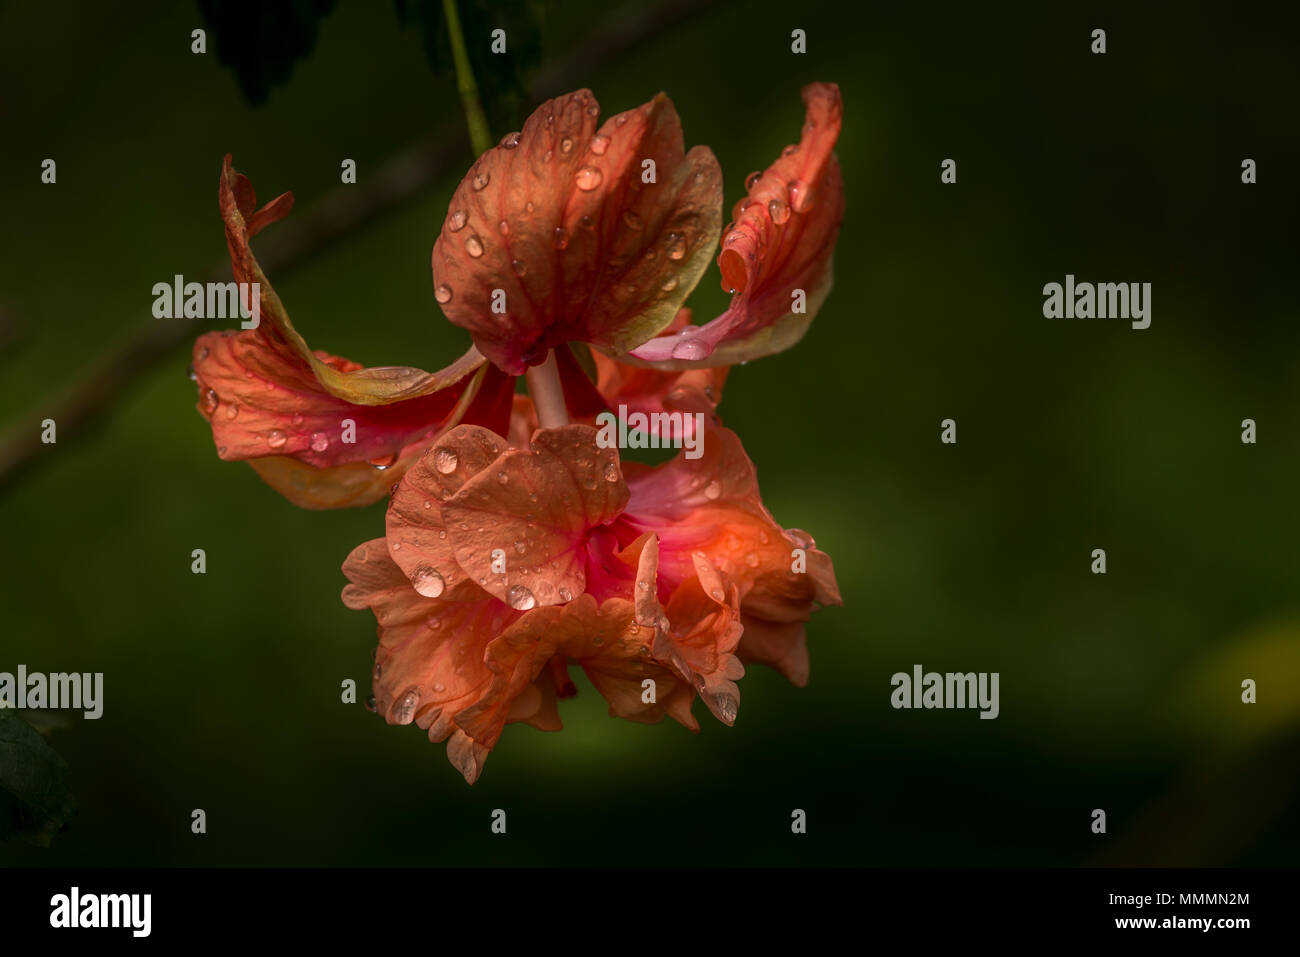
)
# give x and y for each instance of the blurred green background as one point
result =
(1118, 692)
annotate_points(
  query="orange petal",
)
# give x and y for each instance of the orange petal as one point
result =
(559, 220)
(531, 512)
(429, 665)
(783, 240)
(263, 403)
(416, 531)
(377, 385)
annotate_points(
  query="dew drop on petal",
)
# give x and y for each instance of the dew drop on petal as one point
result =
(565, 594)
(611, 472)
(510, 141)
(503, 478)
(210, 401)
(428, 582)
(520, 547)
(778, 210)
(561, 237)
(442, 292)
(676, 246)
(801, 196)
(404, 711)
(690, 349)
(457, 220)
(232, 411)
(566, 145)
(713, 490)
(599, 143)
(752, 559)
(276, 439)
(519, 266)
(751, 179)
(319, 442)
(503, 228)
(382, 462)
(520, 598)
(790, 150)
(588, 178)
(669, 284)
(716, 593)
(474, 245)
(445, 460)
(481, 179)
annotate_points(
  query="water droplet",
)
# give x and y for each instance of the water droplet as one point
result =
(592, 109)
(690, 349)
(445, 460)
(510, 141)
(764, 537)
(588, 178)
(599, 143)
(457, 220)
(751, 179)
(566, 145)
(716, 593)
(632, 220)
(442, 533)
(778, 210)
(520, 547)
(643, 585)
(442, 292)
(726, 707)
(620, 119)
(378, 671)
(790, 150)
(439, 688)
(481, 179)
(519, 266)
(752, 559)
(669, 284)
(565, 594)
(611, 472)
(474, 245)
(221, 450)
(370, 703)
(276, 439)
(561, 237)
(404, 710)
(210, 401)
(232, 411)
(676, 246)
(520, 598)
(801, 538)
(732, 237)
(428, 582)
(801, 196)
(194, 376)
(713, 490)
(546, 157)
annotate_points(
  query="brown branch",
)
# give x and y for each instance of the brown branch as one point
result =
(94, 390)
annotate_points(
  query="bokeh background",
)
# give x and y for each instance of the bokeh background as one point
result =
(1119, 691)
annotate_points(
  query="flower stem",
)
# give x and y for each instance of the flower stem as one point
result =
(479, 136)
(548, 394)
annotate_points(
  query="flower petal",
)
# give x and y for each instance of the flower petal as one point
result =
(531, 511)
(783, 240)
(377, 385)
(265, 405)
(416, 530)
(429, 665)
(559, 219)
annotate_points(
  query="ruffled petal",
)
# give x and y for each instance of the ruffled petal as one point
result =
(783, 240)
(520, 526)
(558, 225)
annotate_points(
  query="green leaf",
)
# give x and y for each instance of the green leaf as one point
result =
(35, 800)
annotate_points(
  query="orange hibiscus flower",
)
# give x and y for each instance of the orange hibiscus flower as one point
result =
(517, 540)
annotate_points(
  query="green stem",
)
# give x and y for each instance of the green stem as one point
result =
(480, 137)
